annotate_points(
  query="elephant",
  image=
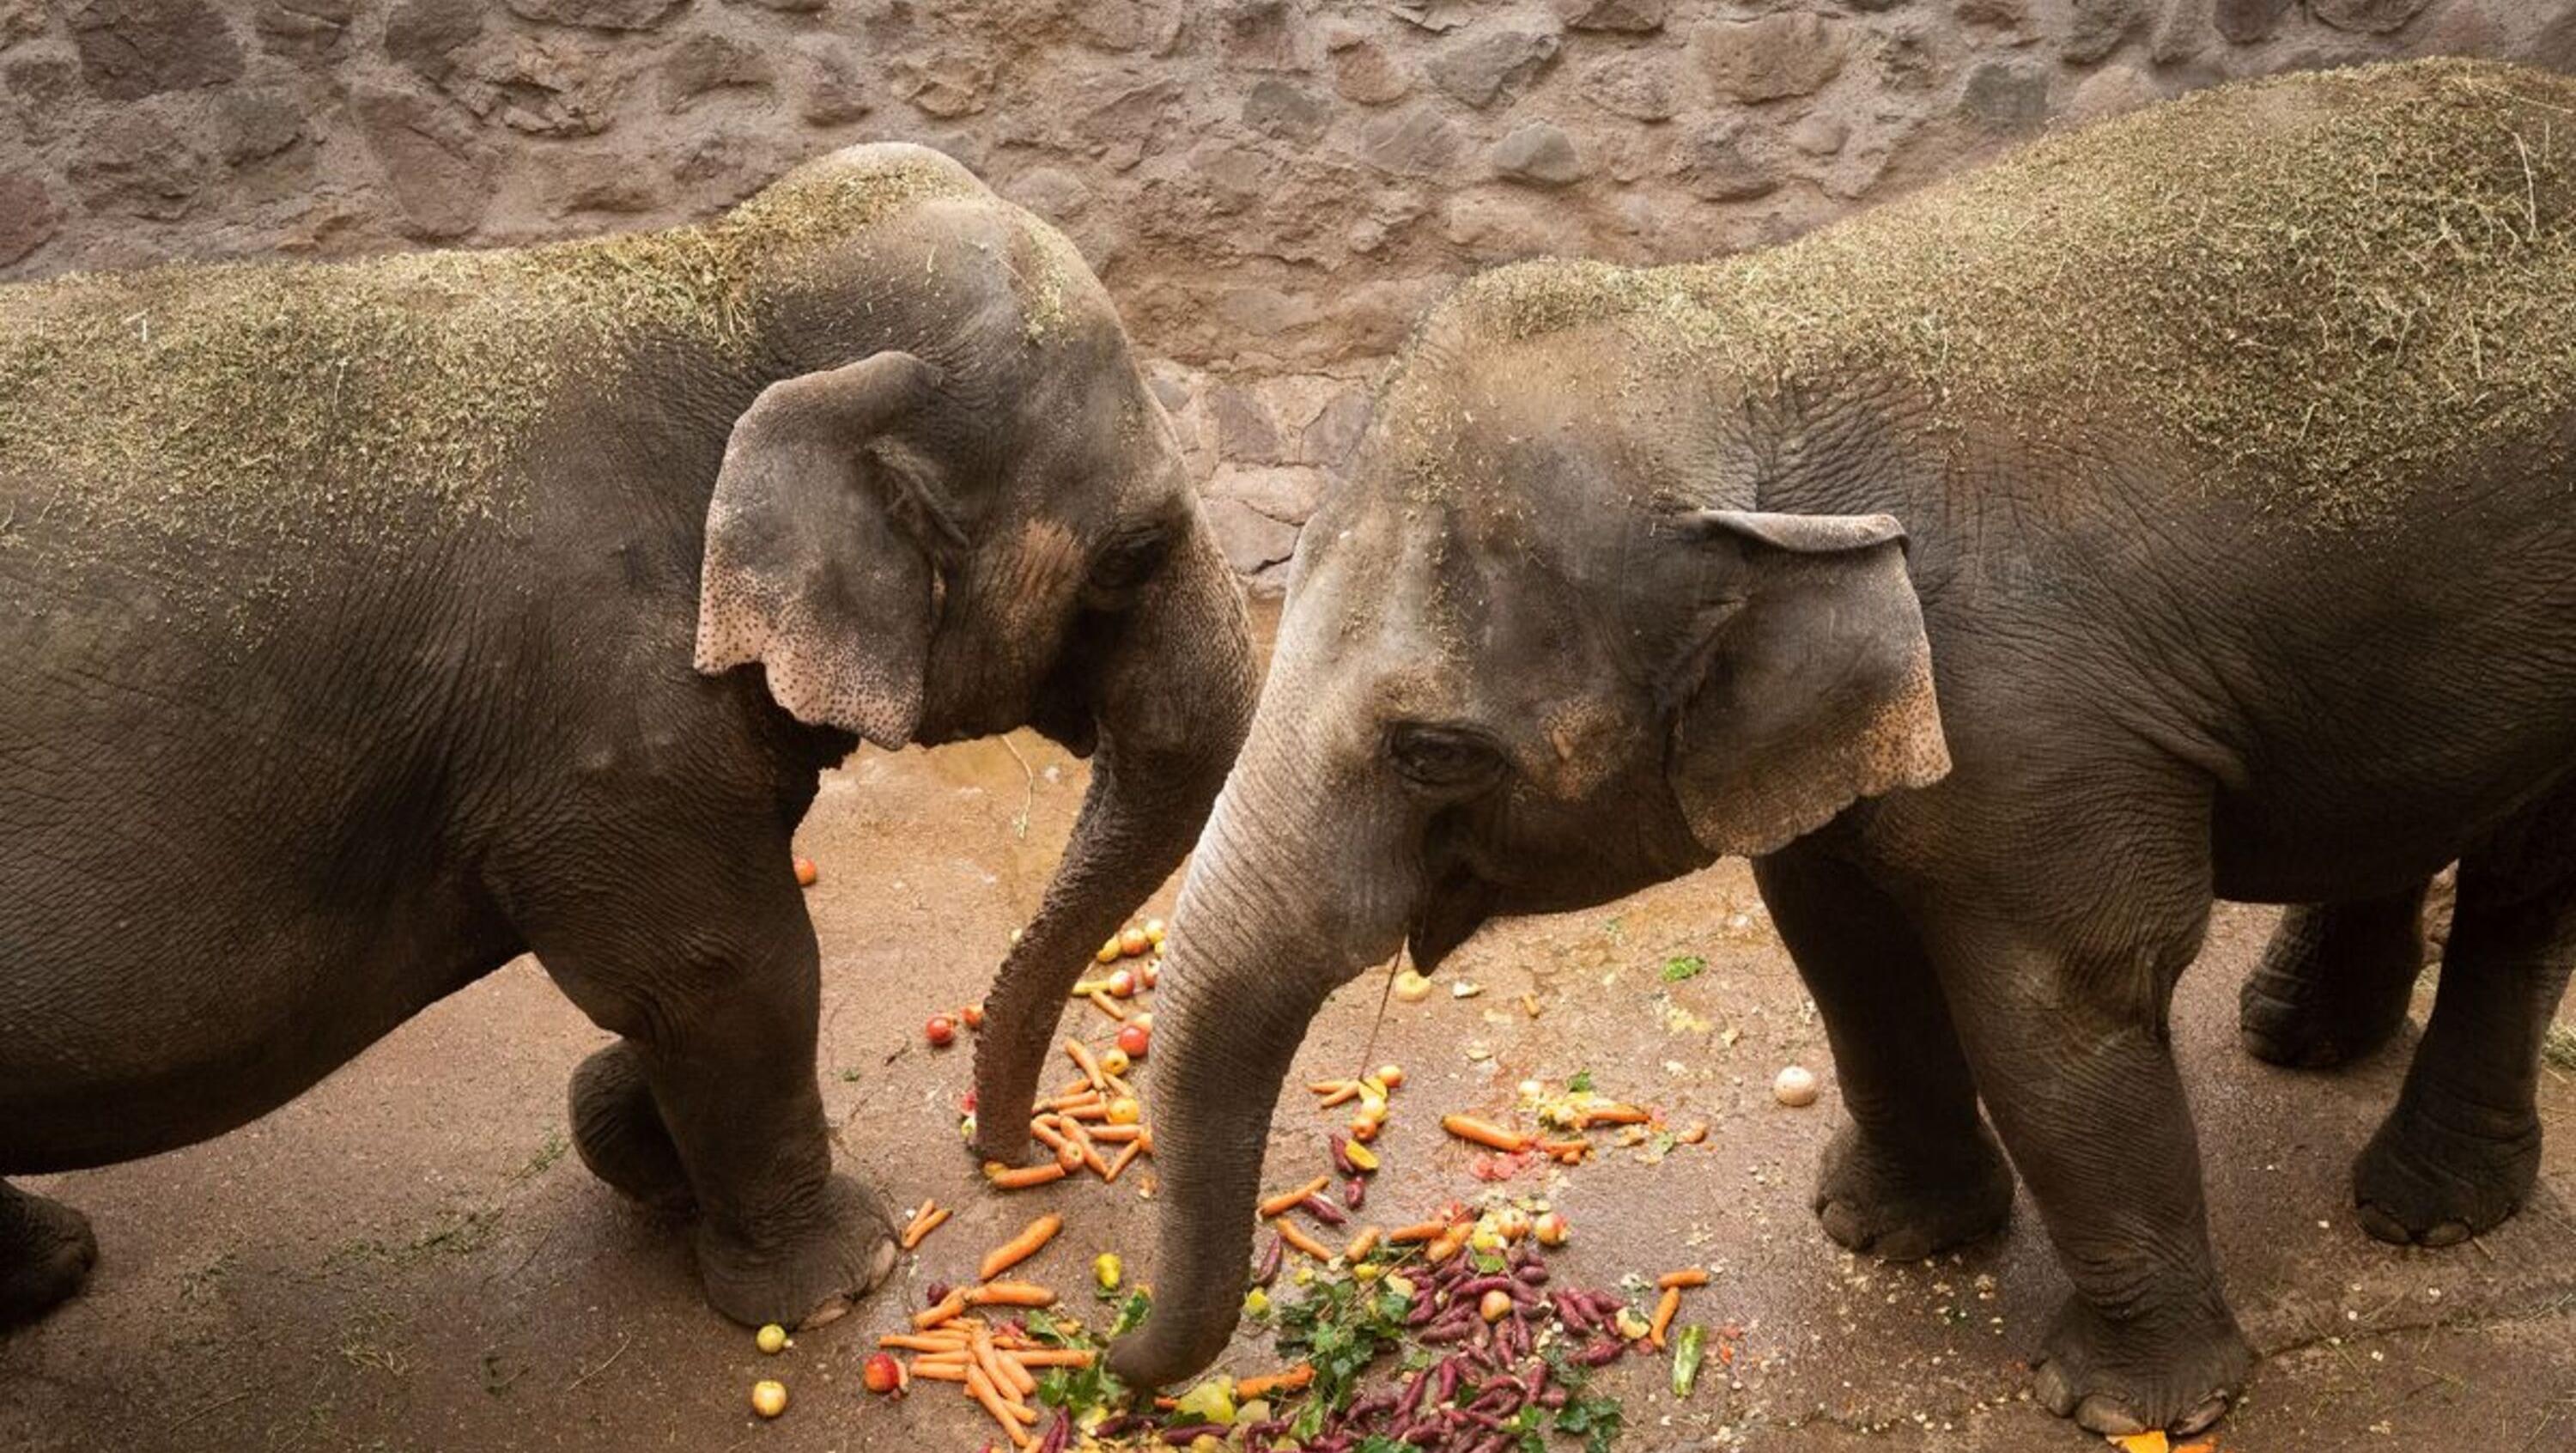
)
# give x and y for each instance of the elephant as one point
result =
(2172, 510)
(407, 614)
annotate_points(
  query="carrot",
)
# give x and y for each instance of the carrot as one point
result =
(1078, 1087)
(1292, 1380)
(939, 1372)
(1444, 1246)
(1362, 1244)
(1006, 1179)
(1010, 1294)
(1347, 1090)
(942, 1340)
(1074, 1101)
(999, 1369)
(929, 1317)
(1567, 1151)
(1295, 1235)
(981, 1388)
(1020, 1248)
(932, 1217)
(1689, 1276)
(1330, 1087)
(1083, 1061)
(1066, 1153)
(1663, 1318)
(1115, 1134)
(1055, 1357)
(1107, 1005)
(1125, 1157)
(1617, 1115)
(1421, 1231)
(1279, 1204)
(1468, 1127)
(1089, 1152)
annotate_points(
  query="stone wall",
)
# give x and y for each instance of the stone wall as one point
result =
(1272, 188)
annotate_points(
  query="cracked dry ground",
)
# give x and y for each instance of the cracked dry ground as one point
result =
(405, 1258)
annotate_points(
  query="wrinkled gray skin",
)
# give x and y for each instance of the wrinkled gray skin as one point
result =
(1628, 626)
(231, 856)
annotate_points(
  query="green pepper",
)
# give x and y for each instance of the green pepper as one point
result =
(1686, 1356)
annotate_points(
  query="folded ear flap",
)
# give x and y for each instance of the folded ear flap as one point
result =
(1812, 687)
(815, 565)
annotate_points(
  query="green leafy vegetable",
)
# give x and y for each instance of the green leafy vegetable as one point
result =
(1683, 966)
(1581, 1084)
(1687, 1351)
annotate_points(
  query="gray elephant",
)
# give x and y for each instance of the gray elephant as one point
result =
(2175, 510)
(366, 625)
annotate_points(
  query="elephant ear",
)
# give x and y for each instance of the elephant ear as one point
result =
(816, 564)
(1812, 685)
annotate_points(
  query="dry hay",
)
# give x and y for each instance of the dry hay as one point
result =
(154, 413)
(2324, 287)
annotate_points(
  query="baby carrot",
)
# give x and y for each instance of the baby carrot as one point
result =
(1083, 1061)
(1278, 1205)
(1021, 1247)
(1054, 1357)
(1006, 1179)
(1292, 1380)
(932, 1217)
(1689, 1276)
(1663, 1319)
(939, 1372)
(1346, 1090)
(1010, 1294)
(943, 1340)
(1424, 1231)
(1295, 1235)
(1089, 1153)
(983, 1391)
(1115, 1134)
(929, 1317)
(1468, 1127)
(1107, 1005)
(1053, 1139)
(1617, 1115)
(1362, 1244)
(1134, 1149)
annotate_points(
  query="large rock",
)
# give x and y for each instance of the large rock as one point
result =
(28, 217)
(135, 48)
(1635, 17)
(943, 85)
(42, 93)
(305, 30)
(1121, 25)
(440, 174)
(1258, 34)
(426, 35)
(2247, 21)
(1773, 56)
(1287, 493)
(537, 85)
(253, 125)
(1727, 160)
(1286, 111)
(2555, 45)
(2369, 17)
(1246, 430)
(1417, 141)
(830, 89)
(134, 162)
(703, 65)
(2099, 26)
(2182, 34)
(1478, 69)
(1539, 154)
(1640, 85)
(2007, 97)
(1252, 541)
(598, 14)
(1367, 74)
(20, 20)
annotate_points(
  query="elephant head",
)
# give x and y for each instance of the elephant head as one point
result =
(957, 509)
(1543, 648)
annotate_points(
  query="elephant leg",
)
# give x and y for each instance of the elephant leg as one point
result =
(2065, 1029)
(1915, 1171)
(619, 1131)
(46, 1252)
(2334, 981)
(712, 977)
(2461, 1149)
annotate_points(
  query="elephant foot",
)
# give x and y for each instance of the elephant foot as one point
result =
(2178, 1377)
(2331, 991)
(2423, 1182)
(619, 1132)
(1870, 1201)
(46, 1252)
(817, 1270)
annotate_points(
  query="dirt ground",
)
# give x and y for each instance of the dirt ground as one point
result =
(406, 1258)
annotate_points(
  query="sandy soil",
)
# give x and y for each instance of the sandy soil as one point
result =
(407, 1259)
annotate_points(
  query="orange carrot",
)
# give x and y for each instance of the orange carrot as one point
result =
(1279, 1204)
(1663, 1318)
(1689, 1276)
(1020, 1248)
(982, 1389)
(1468, 1127)
(1125, 1157)
(1295, 1235)
(1292, 1380)
(1346, 1090)
(929, 1317)
(1004, 1375)
(1054, 1357)
(1006, 1179)
(932, 1217)
(1107, 1005)
(1567, 1151)
(1422, 1231)
(1115, 1134)
(1067, 1154)
(939, 1372)
(1010, 1294)
(1083, 1061)
(1362, 1244)
(1444, 1246)
(942, 1340)
(1617, 1115)
(1089, 1153)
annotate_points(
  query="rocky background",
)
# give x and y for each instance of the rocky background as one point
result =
(1272, 188)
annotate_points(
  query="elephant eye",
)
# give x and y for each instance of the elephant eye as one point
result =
(1443, 758)
(1130, 561)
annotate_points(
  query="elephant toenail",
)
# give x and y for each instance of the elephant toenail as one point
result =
(2201, 1417)
(2107, 1418)
(2051, 1386)
(2448, 1233)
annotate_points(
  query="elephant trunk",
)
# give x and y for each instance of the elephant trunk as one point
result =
(1174, 700)
(1296, 889)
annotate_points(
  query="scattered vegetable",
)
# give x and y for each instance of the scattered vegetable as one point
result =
(1020, 1248)
(1134, 943)
(1550, 1228)
(1133, 1039)
(807, 873)
(941, 1031)
(1411, 987)
(882, 1373)
(1106, 1269)
(1687, 1352)
(1795, 1087)
(768, 1397)
(771, 1339)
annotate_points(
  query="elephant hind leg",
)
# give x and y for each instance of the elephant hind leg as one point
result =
(46, 1252)
(2334, 982)
(619, 1132)
(2460, 1152)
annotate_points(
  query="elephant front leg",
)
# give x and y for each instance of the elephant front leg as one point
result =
(712, 1094)
(2334, 981)
(46, 1252)
(2070, 1050)
(1915, 1172)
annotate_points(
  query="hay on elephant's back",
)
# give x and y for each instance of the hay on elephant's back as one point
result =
(2326, 287)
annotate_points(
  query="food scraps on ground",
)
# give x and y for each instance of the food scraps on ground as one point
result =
(1020, 1248)
(1795, 1087)
(941, 1031)
(807, 874)
(771, 1339)
(1133, 1039)
(769, 1397)
(1411, 987)
(923, 1222)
